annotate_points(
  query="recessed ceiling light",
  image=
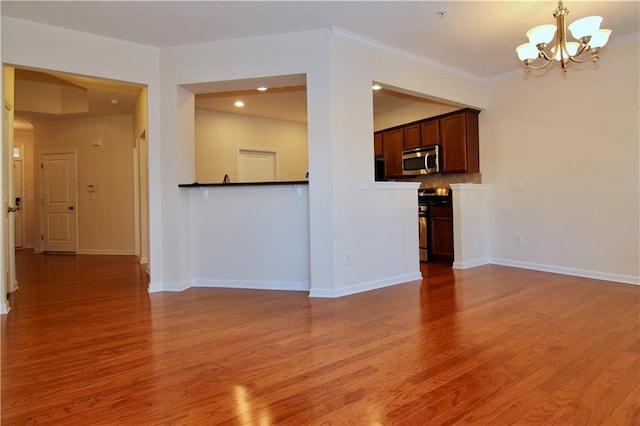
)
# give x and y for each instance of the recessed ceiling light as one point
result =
(239, 104)
(376, 87)
(262, 89)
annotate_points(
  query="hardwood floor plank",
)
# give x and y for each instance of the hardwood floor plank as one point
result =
(86, 344)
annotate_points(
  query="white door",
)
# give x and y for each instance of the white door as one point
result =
(9, 283)
(19, 203)
(59, 202)
(256, 165)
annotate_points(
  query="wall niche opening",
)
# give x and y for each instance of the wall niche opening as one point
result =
(264, 114)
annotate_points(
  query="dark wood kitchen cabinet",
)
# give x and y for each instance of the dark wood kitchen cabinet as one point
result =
(459, 140)
(430, 132)
(392, 152)
(411, 136)
(377, 144)
(441, 233)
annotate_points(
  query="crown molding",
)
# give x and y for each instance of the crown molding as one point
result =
(381, 47)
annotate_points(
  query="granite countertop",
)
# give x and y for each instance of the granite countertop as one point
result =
(232, 184)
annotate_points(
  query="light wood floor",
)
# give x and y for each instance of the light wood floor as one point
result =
(85, 344)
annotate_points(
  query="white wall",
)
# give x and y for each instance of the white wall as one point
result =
(250, 237)
(218, 136)
(345, 211)
(573, 141)
(339, 70)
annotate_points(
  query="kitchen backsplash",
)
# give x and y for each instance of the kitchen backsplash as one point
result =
(440, 180)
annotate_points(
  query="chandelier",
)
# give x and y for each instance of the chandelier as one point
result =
(549, 42)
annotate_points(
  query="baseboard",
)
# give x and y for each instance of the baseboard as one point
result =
(470, 264)
(604, 276)
(107, 252)
(174, 287)
(252, 285)
(366, 286)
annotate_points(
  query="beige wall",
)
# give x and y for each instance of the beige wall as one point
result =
(219, 135)
(105, 223)
(572, 139)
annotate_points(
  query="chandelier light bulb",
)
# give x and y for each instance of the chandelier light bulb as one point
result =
(585, 27)
(572, 49)
(541, 34)
(600, 38)
(527, 51)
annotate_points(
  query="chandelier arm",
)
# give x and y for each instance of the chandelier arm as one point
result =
(593, 57)
(541, 67)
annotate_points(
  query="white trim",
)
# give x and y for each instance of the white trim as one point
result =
(4, 308)
(621, 41)
(366, 286)
(403, 54)
(107, 252)
(252, 285)
(397, 185)
(604, 276)
(472, 186)
(174, 287)
(470, 264)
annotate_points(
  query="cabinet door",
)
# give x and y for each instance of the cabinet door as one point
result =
(392, 152)
(430, 131)
(377, 144)
(460, 145)
(411, 137)
(441, 227)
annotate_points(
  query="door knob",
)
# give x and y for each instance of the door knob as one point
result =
(12, 209)
(70, 207)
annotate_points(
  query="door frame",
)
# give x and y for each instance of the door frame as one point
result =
(141, 198)
(267, 151)
(22, 210)
(41, 195)
(8, 282)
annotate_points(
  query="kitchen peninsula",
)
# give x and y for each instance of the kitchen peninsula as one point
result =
(232, 184)
(247, 235)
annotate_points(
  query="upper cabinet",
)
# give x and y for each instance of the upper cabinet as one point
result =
(411, 136)
(455, 132)
(377, 144)
(459, 142)
(430, 131)
(392, 152)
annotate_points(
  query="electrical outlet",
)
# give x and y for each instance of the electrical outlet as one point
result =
(347, 258)
(519, 240)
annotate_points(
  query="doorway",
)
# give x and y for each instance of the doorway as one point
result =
(18, 183)
(59, 201)
(257, 165)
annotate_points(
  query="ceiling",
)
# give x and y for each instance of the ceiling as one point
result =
(476, 38)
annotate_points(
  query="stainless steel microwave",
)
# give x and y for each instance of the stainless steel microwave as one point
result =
(421, 161)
